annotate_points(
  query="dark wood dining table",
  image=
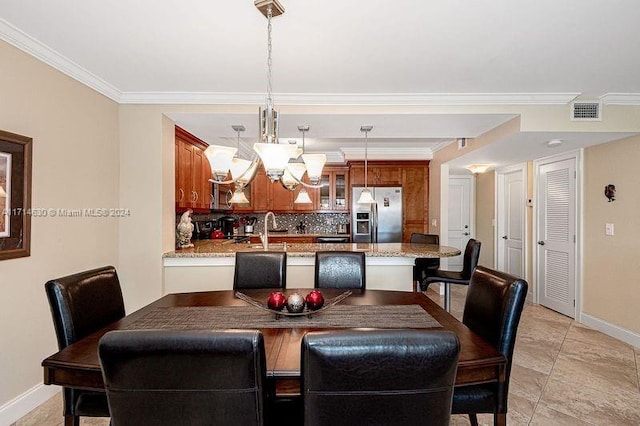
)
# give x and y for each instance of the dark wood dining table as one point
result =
(78, 366)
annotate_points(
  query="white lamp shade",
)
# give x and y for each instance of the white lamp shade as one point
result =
(303, 197)
(366, 197)
(275, 156)
(239, 197)
(297, 170)
(292, 175)
(239, 167)
(314, 163)
(220, 158)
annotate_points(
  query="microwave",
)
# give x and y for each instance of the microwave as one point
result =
(220, 197)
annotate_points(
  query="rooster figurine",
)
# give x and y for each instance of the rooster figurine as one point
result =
(610, 192)
(185, 230)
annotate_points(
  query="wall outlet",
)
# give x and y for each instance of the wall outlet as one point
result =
(434, 222)
(608, 229)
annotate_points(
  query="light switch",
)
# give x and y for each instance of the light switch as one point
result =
(608, 229)
(434, 222)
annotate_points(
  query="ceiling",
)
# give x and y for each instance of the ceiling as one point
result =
(341, 52)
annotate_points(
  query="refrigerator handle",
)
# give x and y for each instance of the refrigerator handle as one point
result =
(374, 209)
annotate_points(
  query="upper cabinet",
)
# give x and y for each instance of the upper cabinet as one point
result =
(334, 193)
(378, 173)
(193, 189)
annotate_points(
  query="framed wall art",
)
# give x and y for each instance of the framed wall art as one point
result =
(15, 195)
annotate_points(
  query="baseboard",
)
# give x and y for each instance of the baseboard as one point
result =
(23, 404)
(612, 330)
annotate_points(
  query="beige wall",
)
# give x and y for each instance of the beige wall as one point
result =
(485, 215)
(611, 284)
(75, 165)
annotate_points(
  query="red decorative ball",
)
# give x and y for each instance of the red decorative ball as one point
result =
(277, 300)
(315, 300)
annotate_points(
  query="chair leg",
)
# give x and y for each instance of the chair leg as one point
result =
(447, 297)
(71, 420)
(500, 419)
(473, 419)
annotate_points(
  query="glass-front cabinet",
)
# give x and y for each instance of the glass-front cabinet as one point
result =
(334, 194)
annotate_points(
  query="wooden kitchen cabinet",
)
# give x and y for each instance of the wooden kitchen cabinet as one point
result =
(192, 189)
(381, 173)
(334, 194)
(415, 200)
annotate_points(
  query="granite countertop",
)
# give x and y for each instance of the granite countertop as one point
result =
(294, 235)
(226, 248)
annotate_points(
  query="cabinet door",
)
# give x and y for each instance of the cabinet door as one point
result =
(415, 200)
(389, 175)
(340, 199)
(260, 192)
(324, 193)
(356, 175)
(281, 197)
(183, 174)
(205, 186)
(197, 178)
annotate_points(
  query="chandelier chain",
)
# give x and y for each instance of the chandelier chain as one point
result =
(366, 142)
(269, 61)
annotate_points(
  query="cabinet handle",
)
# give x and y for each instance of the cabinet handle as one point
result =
(193, 196)
(196, 192)
(181, 194)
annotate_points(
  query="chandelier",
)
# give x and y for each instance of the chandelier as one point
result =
(274, 156)
(365, 196)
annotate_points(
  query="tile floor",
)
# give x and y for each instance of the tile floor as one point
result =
(563, 374)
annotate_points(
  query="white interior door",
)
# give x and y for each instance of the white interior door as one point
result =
(556, 234)
(460, 202)
(511, 219)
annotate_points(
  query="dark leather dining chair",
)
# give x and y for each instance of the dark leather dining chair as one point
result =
(340, 269)
(423, 264)
(378, 377)
(492, 310)
(469, 263)
(265, 269)
(184, 377)
(80, 305)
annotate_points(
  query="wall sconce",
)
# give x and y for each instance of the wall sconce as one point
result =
(478, 168)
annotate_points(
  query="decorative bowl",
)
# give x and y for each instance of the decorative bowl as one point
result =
(328, 303)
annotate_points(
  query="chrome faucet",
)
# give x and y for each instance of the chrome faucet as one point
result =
(265, 237)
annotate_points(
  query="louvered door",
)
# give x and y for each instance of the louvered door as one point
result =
(557, 235)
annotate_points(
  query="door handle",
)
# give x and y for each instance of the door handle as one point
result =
(504, 237)
(541, 243)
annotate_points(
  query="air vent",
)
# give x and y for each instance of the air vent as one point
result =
(586, 111)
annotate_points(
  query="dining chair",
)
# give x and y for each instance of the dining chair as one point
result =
(492, 310)
(184, 377)
(340, 269)
(378, 377)
(265, 269)
(81, 304)
(469, 263)
(423, 264)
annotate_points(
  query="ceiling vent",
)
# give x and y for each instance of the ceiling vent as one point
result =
(586, 111)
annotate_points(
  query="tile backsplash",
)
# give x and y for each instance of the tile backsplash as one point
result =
(315, 223)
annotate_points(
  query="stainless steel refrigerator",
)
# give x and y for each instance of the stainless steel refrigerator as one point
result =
(380, 222)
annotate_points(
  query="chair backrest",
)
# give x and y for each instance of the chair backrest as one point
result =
(265, 269)
(84, 303)
(424, 238)
(471, 256)
(378, 377)
(492, 310)
(340, 269)
(195, 377)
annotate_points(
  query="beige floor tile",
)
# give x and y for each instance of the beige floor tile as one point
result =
(637, 352)
(526, 383)
(536, 353)
(588, 335)
(47, 414)
(520, 410)
(592, 405)
(598, 367)
(545, 416)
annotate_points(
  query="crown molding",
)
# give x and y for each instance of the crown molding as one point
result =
(39, 50)
(382, 99)
(621, 99)
(387, 153)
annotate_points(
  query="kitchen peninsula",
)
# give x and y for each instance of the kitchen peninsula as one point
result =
(210, 264)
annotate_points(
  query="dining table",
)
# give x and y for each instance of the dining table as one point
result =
(78, 365)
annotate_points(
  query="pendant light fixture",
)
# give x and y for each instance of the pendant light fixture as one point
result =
(365, 196)
(239, 169)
